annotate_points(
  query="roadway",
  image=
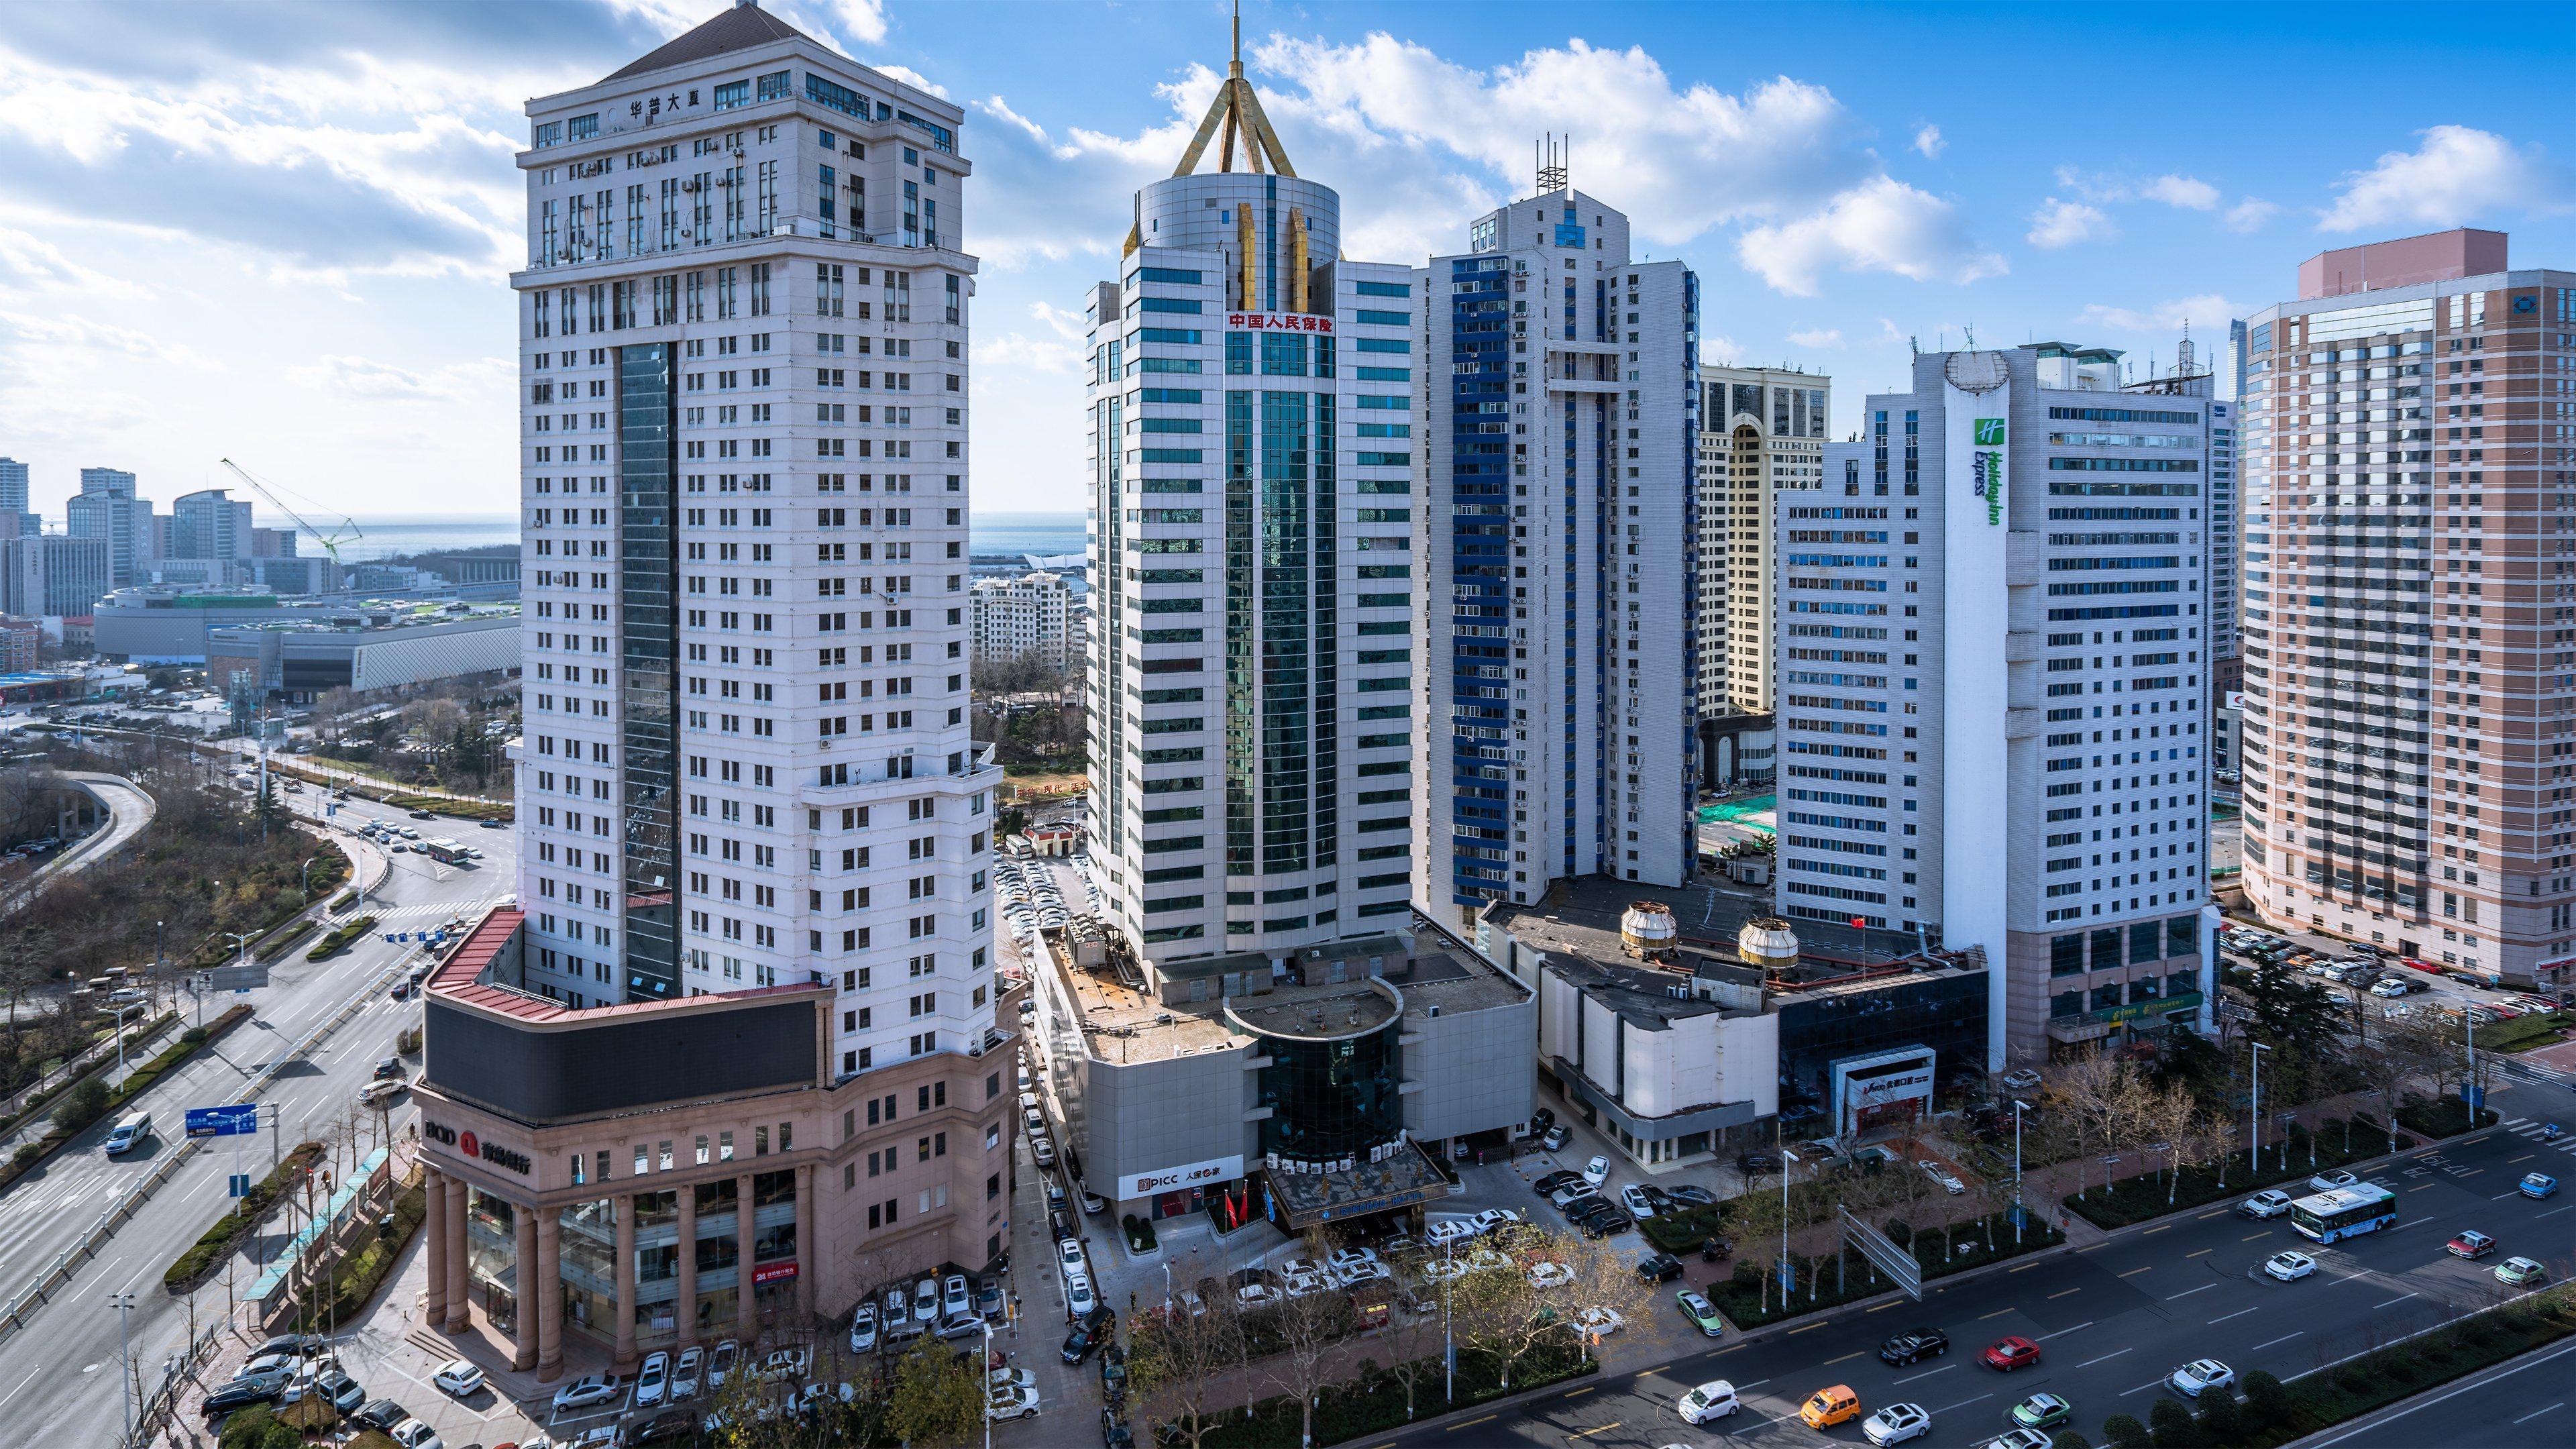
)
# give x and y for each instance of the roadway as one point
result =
(59, 1378)
(129, 810)
(2113, 1319)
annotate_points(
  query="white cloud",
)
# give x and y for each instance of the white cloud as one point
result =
(2457, 174)
(2189, 192)
(31, 263)
(374, 381)
(2250, 214)
(1720, 352)
(915, 79)
(1018, 349)
(1818, 337)
(2208, 311)
(863, 19)
(1881, 225)
(1063, 321)
(1929, 142)
(2064, 223)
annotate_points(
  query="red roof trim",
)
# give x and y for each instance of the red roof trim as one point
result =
(458, 979)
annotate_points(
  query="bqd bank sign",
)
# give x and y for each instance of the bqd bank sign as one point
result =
(1986, 468)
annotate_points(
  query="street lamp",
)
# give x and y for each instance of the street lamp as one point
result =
(123, 1303)
(987, 1367)
(2019, 1212)
(121, 1012)
(1788, 1159)
(2255, 1163)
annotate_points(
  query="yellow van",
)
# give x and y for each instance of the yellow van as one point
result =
(1829, 1407)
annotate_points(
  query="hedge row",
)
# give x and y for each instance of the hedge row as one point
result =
(2152, 1194)
(226, 1233)
(286, 941)
(1751, 1296)
(359, 1274)
(80, 1108)
(38, 1101)
(1374, 1402)
(340, 937)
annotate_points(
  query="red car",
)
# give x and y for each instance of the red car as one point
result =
(2011, 1353)
(2414, 963)
(2471, 1244)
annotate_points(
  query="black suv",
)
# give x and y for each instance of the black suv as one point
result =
(1658, 1268)
(1750, 1163)
(1912, 1344)
(1088, 1334)
(1549, 1185)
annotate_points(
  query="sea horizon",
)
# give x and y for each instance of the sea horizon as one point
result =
(1014, 531)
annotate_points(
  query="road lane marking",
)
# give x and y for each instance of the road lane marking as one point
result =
(2053, 1297)
(1927, 1373)
(2203, 1253)
(2142, 1388)
(2526, 1157)
(2061, 1333)
(1804, 1327)
(2205, 1217)
(1588, 1433)
(1883, 1307)
(1578, 1393)
(22, 1383)
(2106, 1358)
(1846, 1358)
(2134, 1272)
(2158, 1228)
(2239, 1313)
(2284, 1338)
(1471, 1423)
(2536, 1413)
(1963, 1403)
(1998, 1313)
(2022, 1267)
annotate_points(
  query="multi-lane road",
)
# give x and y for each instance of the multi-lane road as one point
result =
(2114, 1319)
(59, 1378)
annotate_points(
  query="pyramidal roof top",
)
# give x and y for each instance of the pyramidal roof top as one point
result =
(740, 26)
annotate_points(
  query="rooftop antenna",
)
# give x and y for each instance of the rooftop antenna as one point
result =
(1971, 332)
(1552, 163)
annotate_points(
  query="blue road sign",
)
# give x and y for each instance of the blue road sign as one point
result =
(238, 1184)
(240, 1121)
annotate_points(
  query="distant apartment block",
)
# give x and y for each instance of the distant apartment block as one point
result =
(1025, 616)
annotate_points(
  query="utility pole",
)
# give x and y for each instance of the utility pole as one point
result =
(272, 1137)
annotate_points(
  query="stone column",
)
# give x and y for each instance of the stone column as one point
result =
(807, 1263)
(549, 1295)
(746, 1314)
(434, 1192)
(459, 1302)
(523, 1347)
(625, 1208)
(687, 1305)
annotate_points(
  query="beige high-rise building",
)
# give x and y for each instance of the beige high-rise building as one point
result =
(1762, 430)
(2409, 710)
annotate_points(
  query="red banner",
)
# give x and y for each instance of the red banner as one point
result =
(773, 1273)
(1278, 322)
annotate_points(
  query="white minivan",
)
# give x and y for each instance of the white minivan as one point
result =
(129, 1134)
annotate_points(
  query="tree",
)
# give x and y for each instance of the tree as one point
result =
(1174, 1362)
(2220, 1421)
(2174, 1426)
(2266, 1398)
(2123, 1431)
(1307, 1328)
(938, 1396)
(82, 1105)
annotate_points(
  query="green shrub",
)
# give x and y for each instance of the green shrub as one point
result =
(2123, 1431)
(2220, 1420)
(85, 1103)
(2174, 1426)
(193, 1036)
(257, 1428)
(2266, 1399)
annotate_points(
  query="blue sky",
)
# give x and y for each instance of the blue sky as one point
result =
(281, 232)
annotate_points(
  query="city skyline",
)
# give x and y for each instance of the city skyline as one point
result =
(1838, 203)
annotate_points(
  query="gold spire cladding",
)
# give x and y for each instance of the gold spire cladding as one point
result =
(1234, 116)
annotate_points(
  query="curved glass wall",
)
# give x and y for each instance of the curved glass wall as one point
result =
(1331, 1099)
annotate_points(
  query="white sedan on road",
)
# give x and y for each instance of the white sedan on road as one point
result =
(2289, 1266)
(2199, 1376)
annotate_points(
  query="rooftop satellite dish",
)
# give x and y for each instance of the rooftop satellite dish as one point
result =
(1976, 372)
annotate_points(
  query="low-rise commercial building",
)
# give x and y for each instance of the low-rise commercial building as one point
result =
(172, 624)
(299, 659)
(1305, 1087)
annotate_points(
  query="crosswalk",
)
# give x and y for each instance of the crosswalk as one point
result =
(2530, 1129)
(434, 910)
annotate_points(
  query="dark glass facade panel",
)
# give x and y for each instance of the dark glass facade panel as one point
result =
(1324, 776)
(648, 587)
(1287, 635)
(1331, 1099)
(1479, 604)
(1947, 1015)
(1242, 655)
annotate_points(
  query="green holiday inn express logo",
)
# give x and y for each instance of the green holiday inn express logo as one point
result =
(1987, 468)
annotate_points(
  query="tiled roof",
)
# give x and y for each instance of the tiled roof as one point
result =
(459, 979)
(736, 27)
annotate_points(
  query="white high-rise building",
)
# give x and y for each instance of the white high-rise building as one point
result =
(1252, 563)
(743, 338)
(107, 509)
(1559, 573)
(1031, 615)
(1993, 660)
(1762, 432)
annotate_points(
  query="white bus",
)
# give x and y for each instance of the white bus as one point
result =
(2344, 1211)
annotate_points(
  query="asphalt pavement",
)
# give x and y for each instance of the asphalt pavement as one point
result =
(2114, 1319)
(59, 1379)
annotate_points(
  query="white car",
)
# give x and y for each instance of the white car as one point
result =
(653, 1381)
(1346, 1259)
(1949, 1180)
(2329, 1181)
(863, 1328)
(685, 1373)
(1042, 1152)
(1358, 1273)
(413, 1434)
(720, 1362)
(1496, 1219)
(1597, 1324)
(1550, 1275)
(782, 1363)
(953, 1297)
(1256, 1295)
(1597, 1171)
(1712, 1400)
(1896, 1423)
(2289, 1266)
(2389, 989)
(1012, 1403)
(582, 1393)
(2199, 1375)
(457, 1377)
(1010, 1378)
(1634, 1198)
(1068, 1254)
(2269, 1203)
(1077, 1293)
(1301, 1285)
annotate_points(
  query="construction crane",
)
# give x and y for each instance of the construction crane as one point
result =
(347, 532)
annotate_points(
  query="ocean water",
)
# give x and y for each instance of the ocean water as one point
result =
(1019, 533)
(991, 533)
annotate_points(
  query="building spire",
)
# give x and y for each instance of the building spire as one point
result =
(1235, 115)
